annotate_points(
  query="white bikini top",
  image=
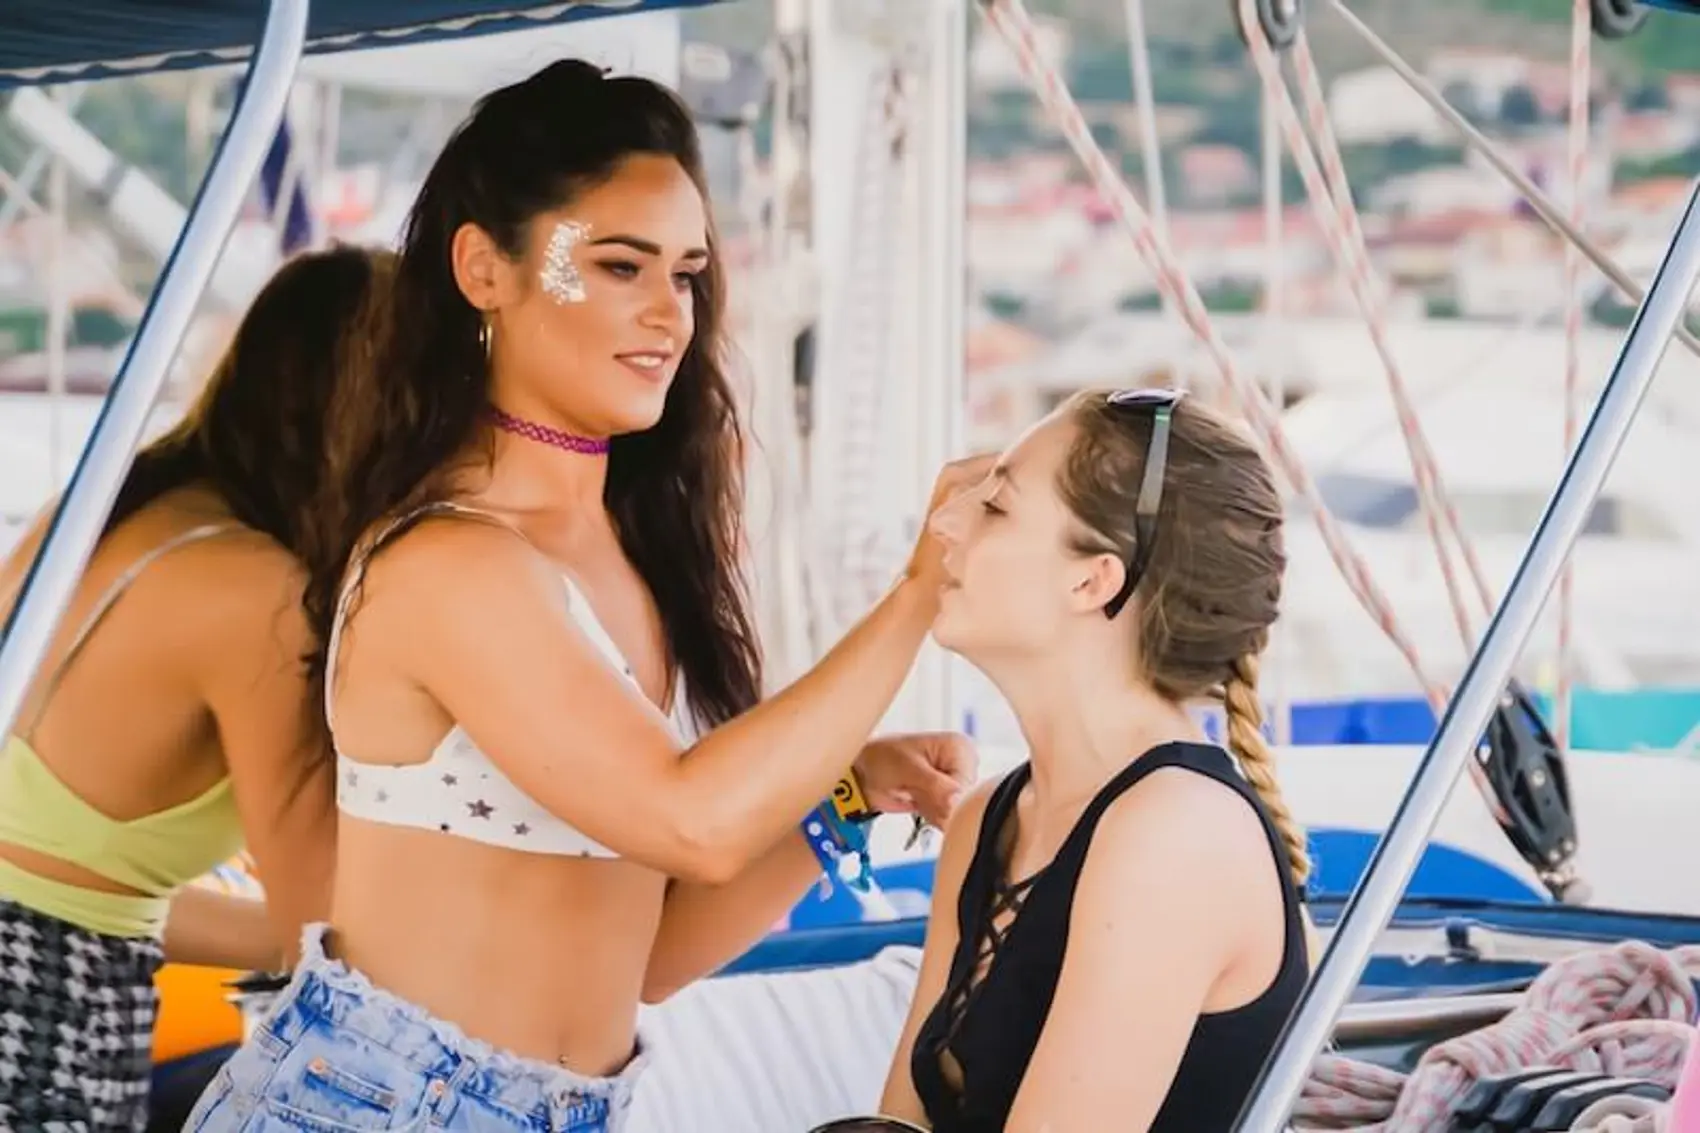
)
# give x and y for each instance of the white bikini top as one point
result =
(458, 790)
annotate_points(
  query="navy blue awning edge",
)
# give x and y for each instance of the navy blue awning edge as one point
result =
(47, 42)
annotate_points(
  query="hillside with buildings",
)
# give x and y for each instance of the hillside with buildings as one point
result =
(1048, 265)
(1205, 27)
(1444, 224)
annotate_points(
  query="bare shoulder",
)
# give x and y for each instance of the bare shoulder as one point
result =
(1196, 831)
(963, 834)
(970, 813)
(224, 570)
(486, 560)
(238, 596)
(255, 557)
(238, 569)
(452, 595)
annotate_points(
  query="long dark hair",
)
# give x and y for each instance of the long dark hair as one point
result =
(675, 491)
(257, 434)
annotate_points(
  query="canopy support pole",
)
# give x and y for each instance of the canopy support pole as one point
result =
(1377, 895)
(941, 397)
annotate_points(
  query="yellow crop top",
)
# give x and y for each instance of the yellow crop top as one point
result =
(156, 854)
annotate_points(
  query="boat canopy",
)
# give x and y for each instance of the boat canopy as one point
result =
(44, 42)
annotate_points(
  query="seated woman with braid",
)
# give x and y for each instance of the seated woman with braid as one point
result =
(1118, 933)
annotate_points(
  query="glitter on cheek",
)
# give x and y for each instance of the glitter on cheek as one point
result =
(561, 279)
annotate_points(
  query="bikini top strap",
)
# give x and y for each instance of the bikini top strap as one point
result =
(103, 605)
(363, 556)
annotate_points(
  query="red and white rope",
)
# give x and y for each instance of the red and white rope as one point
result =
(1581, 38)
(1343, 228)
(1627, 1010)
(1316, 109)
(1330, 195)
(1331, 202)
(1626, 1115)
(1010, 20)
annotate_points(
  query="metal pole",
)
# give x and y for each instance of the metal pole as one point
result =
(1145, 106)
(58, 308)
(1274, 298)
(1373, 902)
(94, 484)
(944, 341)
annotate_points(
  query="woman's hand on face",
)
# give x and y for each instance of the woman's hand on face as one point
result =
(926, 562)
(924, 773)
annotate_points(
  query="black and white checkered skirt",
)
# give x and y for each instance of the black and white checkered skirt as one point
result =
(76, 1025)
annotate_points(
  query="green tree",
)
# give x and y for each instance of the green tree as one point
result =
(1099, 71)
(1005, 306)
(1233, 297)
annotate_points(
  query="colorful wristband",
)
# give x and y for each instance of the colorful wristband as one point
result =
(849, 801)
(837, 833)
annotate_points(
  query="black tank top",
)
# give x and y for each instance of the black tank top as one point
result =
(991, 1027)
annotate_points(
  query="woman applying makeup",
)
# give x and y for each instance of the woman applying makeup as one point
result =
(560, 797)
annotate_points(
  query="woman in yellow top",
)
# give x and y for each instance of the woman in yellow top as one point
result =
(173, 721)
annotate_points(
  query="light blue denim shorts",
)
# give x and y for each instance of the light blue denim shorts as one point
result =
(336, 1054)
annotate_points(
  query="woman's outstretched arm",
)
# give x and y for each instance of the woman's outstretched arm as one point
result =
(704, 927)
(501, 652)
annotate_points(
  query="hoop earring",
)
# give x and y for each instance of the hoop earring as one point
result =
(484, 337)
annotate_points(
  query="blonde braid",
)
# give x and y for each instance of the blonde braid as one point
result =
(1245, 740)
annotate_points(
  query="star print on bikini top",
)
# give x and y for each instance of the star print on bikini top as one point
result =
(458, 791)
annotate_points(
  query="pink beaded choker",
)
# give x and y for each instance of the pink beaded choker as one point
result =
(557, 438)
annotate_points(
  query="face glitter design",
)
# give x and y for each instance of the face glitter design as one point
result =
(561, 279)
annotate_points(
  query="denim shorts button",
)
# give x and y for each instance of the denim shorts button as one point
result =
(318, 1066)
(435, 1089)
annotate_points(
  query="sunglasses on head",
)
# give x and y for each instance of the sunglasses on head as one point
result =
(1162, 403)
